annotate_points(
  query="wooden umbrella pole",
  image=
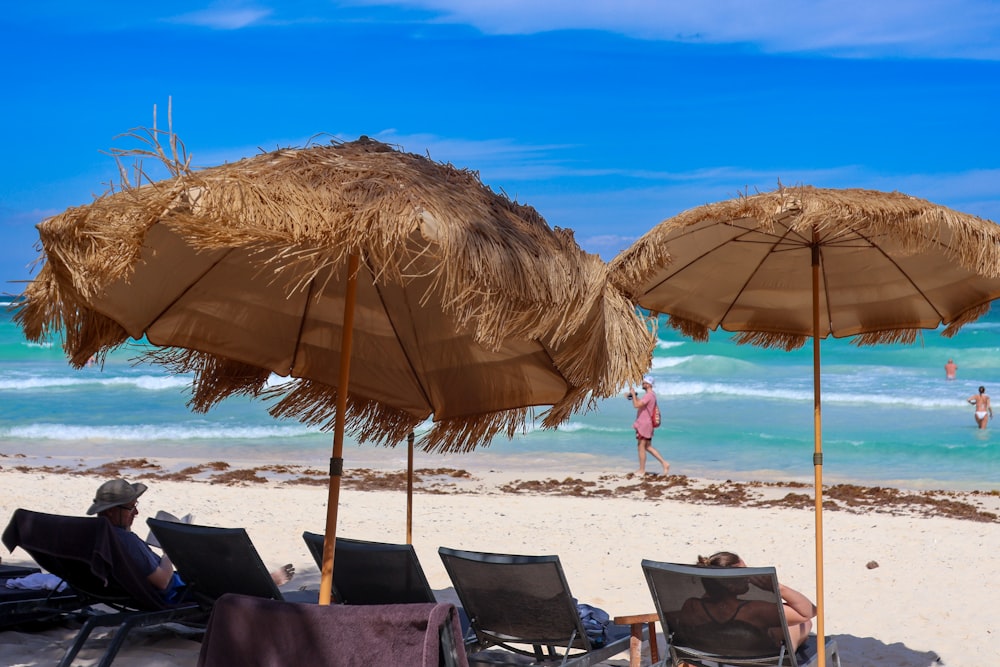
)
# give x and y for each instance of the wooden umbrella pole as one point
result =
(818, 454)
(337, 459)
(409, 488)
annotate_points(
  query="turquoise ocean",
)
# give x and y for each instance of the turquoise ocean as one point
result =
(730, 412)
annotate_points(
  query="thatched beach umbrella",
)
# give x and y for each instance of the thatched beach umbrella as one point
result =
(797, 263)
(464, 307)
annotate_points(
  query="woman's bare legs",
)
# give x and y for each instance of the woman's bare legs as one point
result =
(798, 632)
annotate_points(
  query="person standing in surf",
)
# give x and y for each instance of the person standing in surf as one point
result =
(643, 424)
(984, 411)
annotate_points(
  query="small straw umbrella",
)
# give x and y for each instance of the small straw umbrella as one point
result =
(781, 267)
(390, 288)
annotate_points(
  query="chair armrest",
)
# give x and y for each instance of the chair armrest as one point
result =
(636, 621)
(632, 619)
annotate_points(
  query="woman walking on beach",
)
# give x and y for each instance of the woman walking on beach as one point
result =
(643, 424)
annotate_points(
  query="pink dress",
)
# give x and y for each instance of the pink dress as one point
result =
(643, 424)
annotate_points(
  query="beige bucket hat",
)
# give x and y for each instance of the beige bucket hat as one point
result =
(116, 492)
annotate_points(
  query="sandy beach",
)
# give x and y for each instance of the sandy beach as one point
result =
(930, 600)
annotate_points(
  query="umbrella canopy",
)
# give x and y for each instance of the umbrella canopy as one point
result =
(465, 307)
(780, 267)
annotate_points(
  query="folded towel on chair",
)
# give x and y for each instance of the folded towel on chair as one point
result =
(40, 581)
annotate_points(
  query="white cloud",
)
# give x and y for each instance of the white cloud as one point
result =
(610, 206)
(224, 18)
(847, 28)
(465, 152)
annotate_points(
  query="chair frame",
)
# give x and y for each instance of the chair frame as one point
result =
(380, 560)
(678, 654)
(22, 608)
(572, 648)
(19, 607)
(132, 608)
(214, 561)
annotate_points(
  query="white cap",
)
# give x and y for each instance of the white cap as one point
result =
(647, 379)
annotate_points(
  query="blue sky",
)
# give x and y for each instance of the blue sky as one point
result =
(606, 116)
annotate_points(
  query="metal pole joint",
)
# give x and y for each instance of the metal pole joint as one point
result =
(336, 466)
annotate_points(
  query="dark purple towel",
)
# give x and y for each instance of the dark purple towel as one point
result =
(254, 632)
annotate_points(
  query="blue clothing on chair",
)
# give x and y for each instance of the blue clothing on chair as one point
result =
(146, 563)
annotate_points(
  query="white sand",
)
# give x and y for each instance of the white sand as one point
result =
(931, 601)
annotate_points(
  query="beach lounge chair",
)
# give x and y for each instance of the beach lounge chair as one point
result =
(29, 608)
(214, 561)
(373, 572)
(87, 553)
(254, 632)
(8, 571)
(732, 642)
(523, 605)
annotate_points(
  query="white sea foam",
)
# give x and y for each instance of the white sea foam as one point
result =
(151, 382)
(146, 382)
(691, 389)
(575, 427)
(703, 364)
(145, 432)
(659, 363)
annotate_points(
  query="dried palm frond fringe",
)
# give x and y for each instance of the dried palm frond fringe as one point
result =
(868, 213)
(497, 268)
(835, 216)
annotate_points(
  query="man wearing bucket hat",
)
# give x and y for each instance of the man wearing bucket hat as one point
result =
(643, 424)
(117, 500)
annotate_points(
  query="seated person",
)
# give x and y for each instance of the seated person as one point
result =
(118, 501)
(720, 611)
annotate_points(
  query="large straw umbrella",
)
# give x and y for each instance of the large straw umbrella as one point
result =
(463, 306)
(802, 262)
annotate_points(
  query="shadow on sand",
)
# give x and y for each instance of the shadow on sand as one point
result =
(870, 652)
(856, 652)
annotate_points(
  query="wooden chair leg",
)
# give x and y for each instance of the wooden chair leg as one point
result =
(635, 623)
(654, 648)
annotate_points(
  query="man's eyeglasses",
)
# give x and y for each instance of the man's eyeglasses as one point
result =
(132, 508)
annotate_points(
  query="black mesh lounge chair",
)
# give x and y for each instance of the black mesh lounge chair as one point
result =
(726, 641)
(373, 572)
(8, 571)
(88, 555)
(29, 609)
(523, 605)
(214, 561)
(254, 632)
